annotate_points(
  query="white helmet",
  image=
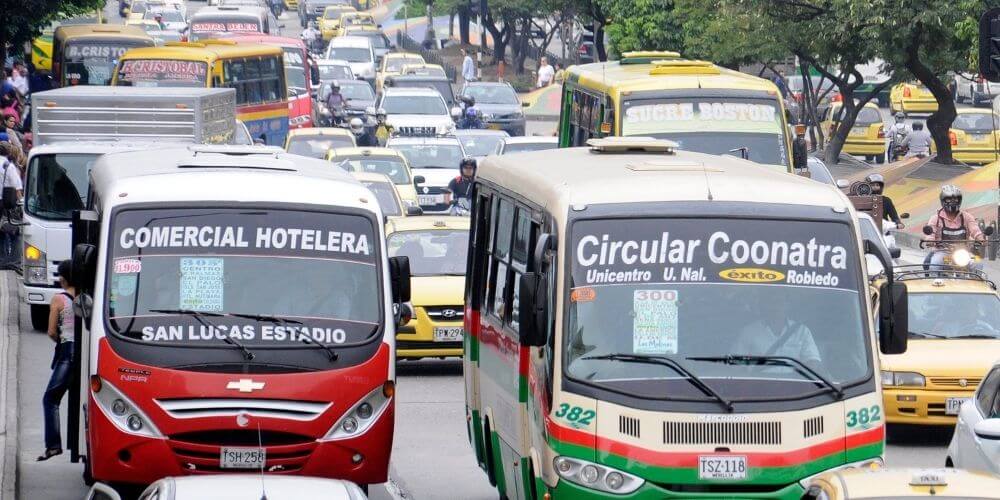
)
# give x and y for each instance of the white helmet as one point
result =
(357, 126)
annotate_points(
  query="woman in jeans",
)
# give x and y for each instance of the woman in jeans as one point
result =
(61, 332)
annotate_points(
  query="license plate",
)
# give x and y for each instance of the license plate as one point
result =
(430, 199)
(978, 137)
(447, 334)
(242, 458)
(953, 405)
(859, 130)
(722, 467)
(494, 126)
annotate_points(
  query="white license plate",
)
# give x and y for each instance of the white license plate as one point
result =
(430, 199)
(859, 131)
(729, 467)
(447, 333)
(953, 405)
(242, 458)
(977, 137)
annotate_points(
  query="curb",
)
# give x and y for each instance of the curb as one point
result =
(10, 315)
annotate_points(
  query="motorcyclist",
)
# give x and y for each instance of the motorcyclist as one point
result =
(460, 188)
(877, 182)
(361, 135)
(384, 129)
(471, 118)
(899, 130)
(335, 101)
(918, 141)
(158, 17)
(951, 223)
(311, 37)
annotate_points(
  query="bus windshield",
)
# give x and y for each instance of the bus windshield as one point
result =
(57, 185)
(700, 290)
(295, 69)
(712, 125)
(316, 271)
(162, 73)
(89, 62)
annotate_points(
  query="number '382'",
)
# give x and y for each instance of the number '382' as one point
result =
(575, 414)
(864, 416)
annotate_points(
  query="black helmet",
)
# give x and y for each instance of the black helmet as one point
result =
(951, 198)
(468, 161)
(469, 100)
(877, 182)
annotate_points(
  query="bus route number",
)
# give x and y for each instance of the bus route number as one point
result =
(578, 417)
(864, 417)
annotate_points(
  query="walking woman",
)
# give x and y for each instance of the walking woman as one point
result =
(61, 332)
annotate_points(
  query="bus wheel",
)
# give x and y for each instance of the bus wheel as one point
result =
(88, 475)
(40, 317)
(488, 439)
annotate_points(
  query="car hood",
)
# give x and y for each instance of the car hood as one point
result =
(945, 357)
(435, 176)
(498, 109)
(437, 290)
(362, 68)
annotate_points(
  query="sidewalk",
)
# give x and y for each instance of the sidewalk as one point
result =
(9, 338)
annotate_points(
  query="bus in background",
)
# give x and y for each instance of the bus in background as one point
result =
(701, 106)
(211, 22)
(647, 322)
(298, 75)
(86, 54)
(234, 329)
(41, 47)
(255, 71)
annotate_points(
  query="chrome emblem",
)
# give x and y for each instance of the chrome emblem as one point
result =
(449, 313)
(242, 419)
(245, 385)
(962, 382)
(426, 190)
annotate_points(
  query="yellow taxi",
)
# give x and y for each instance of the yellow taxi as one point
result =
(329, 22)
(954, 324)
(912, 98)
(867, 136)
(879, 483)
(974, 136)
(437, 247)
(350, 18)
(392, 64)
(385, 193)
(383, 161)
(315, 142)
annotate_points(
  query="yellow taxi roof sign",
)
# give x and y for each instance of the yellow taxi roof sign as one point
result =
(683, 67)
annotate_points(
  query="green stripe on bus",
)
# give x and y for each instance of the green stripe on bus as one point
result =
(477, 437)
(497, 461)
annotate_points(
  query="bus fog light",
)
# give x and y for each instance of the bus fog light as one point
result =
(589, 474)
(350, 425)
(614, 480)
(134, 422)
(563, 465)
(365, 410)
(596, 476)
(357, 458)
(118, 407)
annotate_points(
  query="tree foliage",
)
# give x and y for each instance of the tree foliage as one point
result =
(23, 20)
(642, 25)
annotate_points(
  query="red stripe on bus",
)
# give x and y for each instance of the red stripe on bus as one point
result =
(262, 107)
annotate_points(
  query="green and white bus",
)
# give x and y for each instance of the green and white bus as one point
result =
(643, 322)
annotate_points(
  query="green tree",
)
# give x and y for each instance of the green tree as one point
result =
(642, 25)
(23, 20)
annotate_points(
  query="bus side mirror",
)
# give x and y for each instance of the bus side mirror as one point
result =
(419, 179)
(800, 153)
(84, 266)
(413, 210)
(101, 491)
(399, 278)
(531, 310)
(314, 74)
(893, 318)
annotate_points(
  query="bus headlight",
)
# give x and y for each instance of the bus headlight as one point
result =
(596, 476)
(362, 415)
(125, 414)
(35, 270)
(902, 379)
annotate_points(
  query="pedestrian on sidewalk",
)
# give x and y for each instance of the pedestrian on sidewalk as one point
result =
(9, 219)
(61, 332)
(545, 73)
(468, 67)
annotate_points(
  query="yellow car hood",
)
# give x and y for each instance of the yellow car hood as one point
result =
(956, 357)
(437, 290)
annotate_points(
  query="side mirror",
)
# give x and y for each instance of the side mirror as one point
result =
(893, 317)
(988, 230)
(419, 179)
(414, 210)
(928, 230)
(84, 266)
(101, 491)
(525, 104)
(403, 313)
(314, 75)
(9, 198)
(988, 429)
(83, 306)
(843, 183)
(800, 153)
(399, 278)
(531, 310)
(895, 252)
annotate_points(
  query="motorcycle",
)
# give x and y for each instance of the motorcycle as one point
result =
(963, 255)
(461, 207)
(896, 148)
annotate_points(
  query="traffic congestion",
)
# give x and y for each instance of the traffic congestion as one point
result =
(278, 249)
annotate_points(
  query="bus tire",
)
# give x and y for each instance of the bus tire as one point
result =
(491, 474)
(88, 475)
(40, 317)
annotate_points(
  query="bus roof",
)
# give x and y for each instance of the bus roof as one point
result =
(224, 173)
(205, 50)
(661, 75)
(105, 31)
(560, 178)
(265, 39)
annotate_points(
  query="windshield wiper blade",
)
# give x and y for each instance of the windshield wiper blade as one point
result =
(200, 316)
(677, 367)
(973, 336)
(746, 359)
(929, 335)
(285, 322)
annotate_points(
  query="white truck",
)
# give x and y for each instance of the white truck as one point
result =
(71, 128)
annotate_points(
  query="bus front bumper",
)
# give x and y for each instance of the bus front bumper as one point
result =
(40, 295)
(651, 491)
(918, 406)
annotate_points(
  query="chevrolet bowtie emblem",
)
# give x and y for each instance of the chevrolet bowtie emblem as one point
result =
(245, 385)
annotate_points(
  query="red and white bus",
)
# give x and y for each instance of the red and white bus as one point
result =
(226, 328)
(298, 75)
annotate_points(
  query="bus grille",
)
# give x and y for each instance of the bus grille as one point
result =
(722, 433)
(970, 382)
(812, 426)
(628, 426)
(445, 313)
(221, 407)
(198, 452)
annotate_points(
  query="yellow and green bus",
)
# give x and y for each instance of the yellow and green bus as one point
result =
(86, 54)
(41, 47)
(255, 71)
(697, 104)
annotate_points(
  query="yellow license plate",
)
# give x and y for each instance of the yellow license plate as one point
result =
(493, 126)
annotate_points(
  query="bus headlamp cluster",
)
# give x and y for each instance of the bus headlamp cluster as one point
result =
(35, 270)
(125, 414)
(902, 379)
(362, 416)
(596, 476)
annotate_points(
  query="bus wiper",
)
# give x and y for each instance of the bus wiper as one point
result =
(285, 322)
(200, 316)
(929, 335)
(747, 359)
(677, 367)
(973, 336)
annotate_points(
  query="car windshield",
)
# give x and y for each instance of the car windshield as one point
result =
(712, 288)
(319, 269)
(334, 13)
(866, 116)
(976, 123)
(481, 145)
(358, 20)
(385, 193)
(395, 64)
(329, 72)
(393, 168)
(162, 73)
(423, 70)
(524, 147)
(414, 105)
(712, 125)
(357, 91)
(316, 146)
(492, 94)
(954, 315)
(818, 172)
(168, 16)
(824, 84)
(93, 63)
(57, 185)
(431, 155)
(432, 253)
(350, 54)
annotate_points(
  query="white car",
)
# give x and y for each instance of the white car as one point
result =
(416, 111)
(357, 51)
(240, 487)
(434, 163)
(173, 18)
(975, 445)
(974, 90)
(870, 231)
(522, 144)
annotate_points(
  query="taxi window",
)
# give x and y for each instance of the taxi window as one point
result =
(987, 393)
